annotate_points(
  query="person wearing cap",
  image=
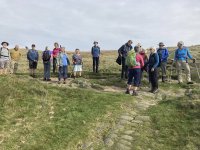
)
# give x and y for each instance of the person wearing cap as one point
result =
(63, 63)
(153, 69)
(182, 54)
(95, 51)
(135, 72)
(163, 54)
(15, 57)
(123, 51)
(55, 53)
(4, 58)
(33, 57)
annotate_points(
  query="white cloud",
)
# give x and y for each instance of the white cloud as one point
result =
(76, 24)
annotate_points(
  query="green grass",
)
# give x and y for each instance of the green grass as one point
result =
(176, 122)
(32, 114)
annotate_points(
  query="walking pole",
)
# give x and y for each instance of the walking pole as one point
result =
(197, 70)
(171, 71)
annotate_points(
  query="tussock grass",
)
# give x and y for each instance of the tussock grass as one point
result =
(37, 116)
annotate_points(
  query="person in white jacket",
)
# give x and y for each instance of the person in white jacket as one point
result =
(4, 58)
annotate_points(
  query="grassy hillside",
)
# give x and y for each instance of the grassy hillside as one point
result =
(79, 115)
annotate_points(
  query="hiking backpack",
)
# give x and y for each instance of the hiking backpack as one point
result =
(131, 59)
(46, 56)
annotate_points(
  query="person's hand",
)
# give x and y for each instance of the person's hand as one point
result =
(152, 70)
(194, 60)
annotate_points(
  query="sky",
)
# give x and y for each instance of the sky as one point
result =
(77, 24)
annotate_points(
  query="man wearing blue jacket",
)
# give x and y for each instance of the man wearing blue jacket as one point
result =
(95, 55)
(123, 51)
(163, 56)
(181, 58)
(33, 57)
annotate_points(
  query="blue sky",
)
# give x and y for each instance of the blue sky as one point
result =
(76, 24)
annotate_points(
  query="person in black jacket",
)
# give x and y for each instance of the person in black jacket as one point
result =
(123, 51)
(153, 69)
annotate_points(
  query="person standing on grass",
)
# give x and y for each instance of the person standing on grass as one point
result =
(181, 58)
(63, 62)
(163, 56)
(95, 55)
(77, 62)
(135, 72)
(153, 69)
(143, 53)
(55, 52)
(33, 57)
(15, 57)
(4, 58)
(46, 57)
(123, 50)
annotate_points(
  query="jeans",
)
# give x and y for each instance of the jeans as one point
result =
(153, 78)
(54, 65)
(95, 64)
(47, 68)
(136, 74)
(62, 72)
(124, 68)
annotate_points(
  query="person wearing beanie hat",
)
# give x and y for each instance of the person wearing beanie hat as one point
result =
(163, 54)
(182, 54)
(4, 58)
(95, 51)
(123, 51)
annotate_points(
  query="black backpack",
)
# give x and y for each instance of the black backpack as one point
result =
(46, 56)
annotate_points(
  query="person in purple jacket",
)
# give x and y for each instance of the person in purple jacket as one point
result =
(181, 59)
(95, 54)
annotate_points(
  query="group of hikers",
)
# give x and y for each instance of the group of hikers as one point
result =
(134, 62)
(10, 59)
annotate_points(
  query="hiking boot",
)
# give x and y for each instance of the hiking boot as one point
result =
(190, 82)
(44, 79)
(155, 91)
(48, 79)
(127, 92)
(134, 93)
(64, 82)
(59, 82)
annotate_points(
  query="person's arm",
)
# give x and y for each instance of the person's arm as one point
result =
(120, 50)
(157, 61)
(141, 62)
(166, 54)
(28, 56)
(92, 51)
(188, 54)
